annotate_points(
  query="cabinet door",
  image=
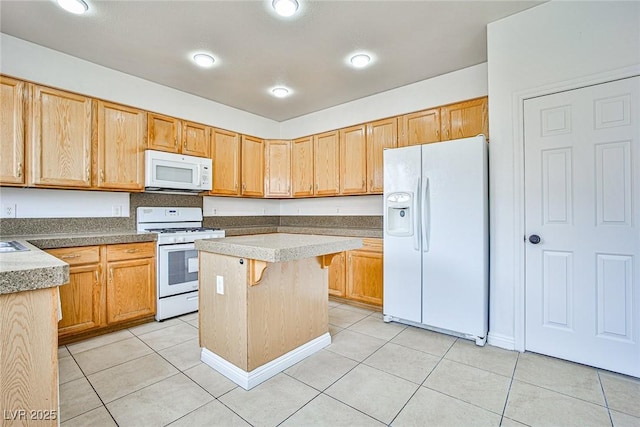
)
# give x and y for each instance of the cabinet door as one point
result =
(225, 152)
(12, 109)
(337, 275)
(465, 119)
(195, 139)
(120, 147)
(277, 169)
(364, 272)
(420, 128)
(61, 139)
(326, 153)
(302, 167)
(380, 135)
(353, 160)
(252, 166)
(131, 289)
(162, 133)
(80, 300)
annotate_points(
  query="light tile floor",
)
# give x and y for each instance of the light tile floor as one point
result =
(372, 374)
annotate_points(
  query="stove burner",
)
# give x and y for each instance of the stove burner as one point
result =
(181, 230)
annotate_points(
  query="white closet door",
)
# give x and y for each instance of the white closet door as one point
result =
(582, 189)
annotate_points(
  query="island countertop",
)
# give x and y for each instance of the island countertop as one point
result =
(278, 247)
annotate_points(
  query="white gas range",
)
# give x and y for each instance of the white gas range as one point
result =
(177, 258)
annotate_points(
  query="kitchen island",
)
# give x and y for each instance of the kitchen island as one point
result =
(263, 301)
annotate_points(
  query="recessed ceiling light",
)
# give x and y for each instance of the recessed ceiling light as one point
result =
(285, 7)
(360, 60)
(280, 92)
(74, 6)
(203, 59)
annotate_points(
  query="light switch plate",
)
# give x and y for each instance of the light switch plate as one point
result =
(220, 285)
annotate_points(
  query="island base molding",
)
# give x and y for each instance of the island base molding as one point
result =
(248, 380)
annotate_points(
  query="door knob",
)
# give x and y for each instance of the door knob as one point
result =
(534, 238)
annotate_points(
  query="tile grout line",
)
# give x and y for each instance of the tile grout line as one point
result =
(604, 394)
(506, 400)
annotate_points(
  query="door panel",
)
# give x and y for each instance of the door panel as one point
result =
(581, 189)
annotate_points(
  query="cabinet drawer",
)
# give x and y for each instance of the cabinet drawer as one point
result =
(372, 245)
(131, 251)
(77, 256)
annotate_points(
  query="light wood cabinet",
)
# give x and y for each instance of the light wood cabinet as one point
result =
(421, 127)
(302, 167)
(465, 119)
(252, 170)
(381, 134)
(364, 273)
(119, 149)
(162, 133)
(81, 298)
(110, 287)
(225, 152)
(277, 168)
(353, 160)
(60, 126)
(195, 139)
(326, 154)
(337, 275)
(12, 121)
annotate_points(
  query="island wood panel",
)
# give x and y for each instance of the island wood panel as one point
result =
(162, 133)
(277, 168)
(353, 160)
(465, 119)
(287, 309)
(195, 139)
(421, 127)
(60, 139)
(381, 134)
(326, 153)
(223, 317)
(12, 110)
(29, 354)
(225, 152)
(120, 147)
(302, 171)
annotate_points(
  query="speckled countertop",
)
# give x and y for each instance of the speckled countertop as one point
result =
(29, 270)
(323, 231)
(278, 247)
(52, 241)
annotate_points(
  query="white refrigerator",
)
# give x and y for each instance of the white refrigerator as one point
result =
(436, 237)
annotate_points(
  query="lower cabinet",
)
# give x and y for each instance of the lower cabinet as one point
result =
(108, 285)
(357, 274)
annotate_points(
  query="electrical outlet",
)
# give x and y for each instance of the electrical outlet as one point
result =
(220, 285)
(9, 210)
(116, 210)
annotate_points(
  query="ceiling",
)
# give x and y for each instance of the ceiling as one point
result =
(256, 50)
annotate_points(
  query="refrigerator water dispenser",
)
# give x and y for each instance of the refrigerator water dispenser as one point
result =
(400, 214)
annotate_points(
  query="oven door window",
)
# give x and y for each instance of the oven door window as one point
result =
(183, 267)
(177, 269)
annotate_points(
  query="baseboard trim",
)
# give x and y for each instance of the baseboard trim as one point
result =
(502, 341)
(248, 380)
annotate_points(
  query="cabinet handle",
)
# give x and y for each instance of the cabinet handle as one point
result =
(363, 184)
(87, 173)
(185, 145)
(438, 134)
(97, 278)
(20, 170)
(102, 175)
(371, 184)
(70, 256)
(175, 142)
(310, 188)
(131, 251)
(244, 186)
(111, 274)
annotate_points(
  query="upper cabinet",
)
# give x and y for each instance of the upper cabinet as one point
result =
(353, 160)
(252, 169)
(422, 127)
(465, 119)
(195, 139)
(225, 152)
(119, 150)
(302, 167)
(170, 134)
(162, 133)
(277, 168)
(380, 135)
(326, 154)
(60, 127)
(12, 111)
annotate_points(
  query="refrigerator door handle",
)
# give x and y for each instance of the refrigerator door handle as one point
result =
(416, 216)
(425, 215)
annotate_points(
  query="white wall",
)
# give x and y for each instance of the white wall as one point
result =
(343, 206)
(49, 203)
(555, 46)
(39, 64)
(445, 89)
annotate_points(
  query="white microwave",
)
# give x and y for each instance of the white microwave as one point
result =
(177, 172)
